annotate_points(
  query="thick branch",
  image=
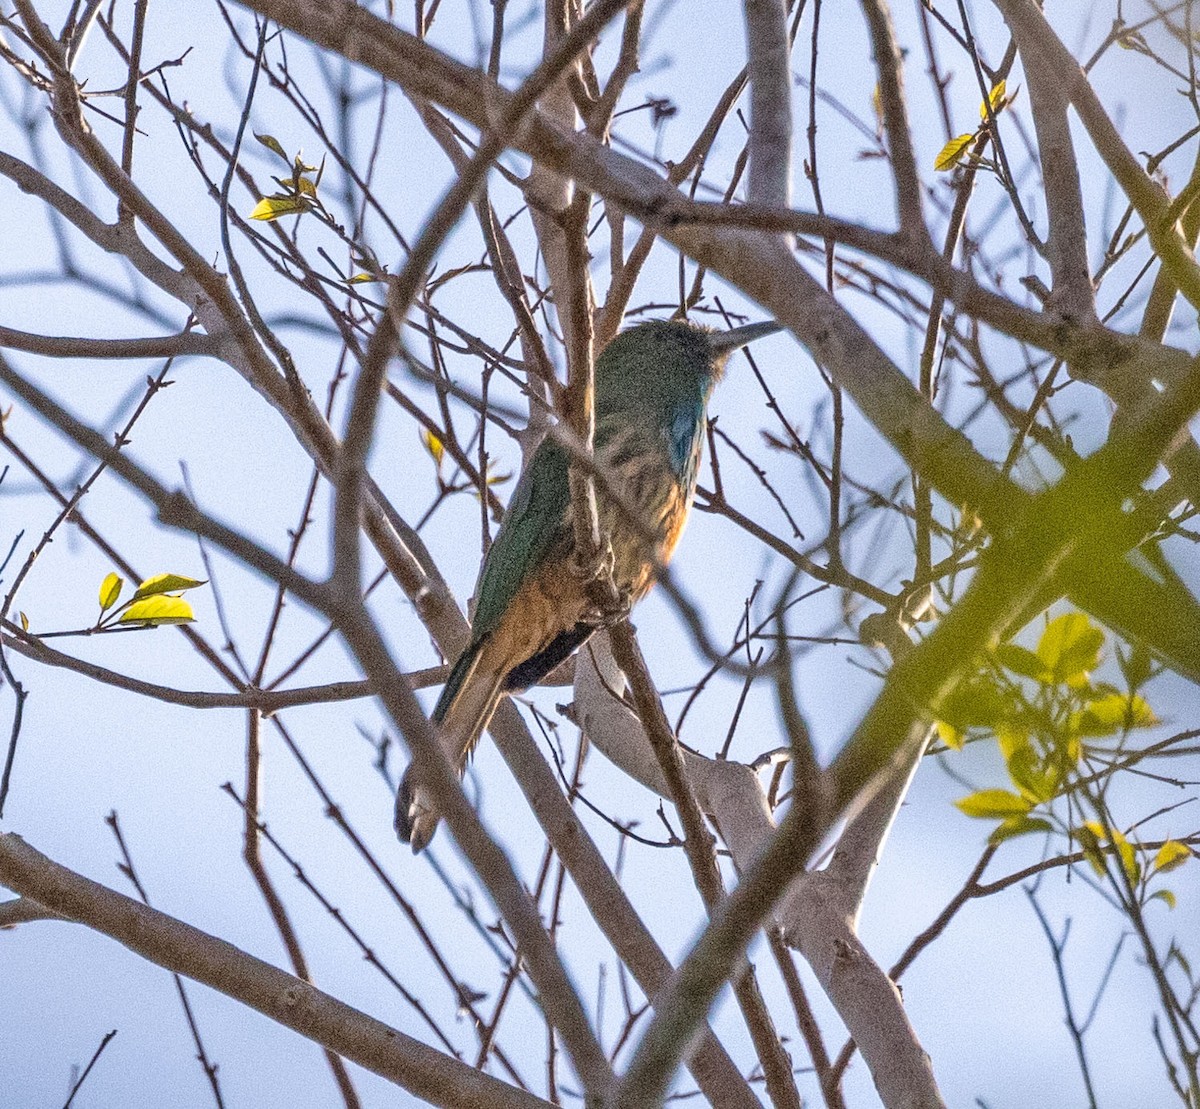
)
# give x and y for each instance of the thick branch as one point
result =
(56, 346)
(769, 65)
(1071, 294)
(431, 1075)
(1040, 46)
(819, 911)
(895, 117)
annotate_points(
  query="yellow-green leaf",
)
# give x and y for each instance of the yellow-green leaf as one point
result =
(1113, 713)
(162, 608)
(952, 152)
(1170, 855)
(1018, 826)
(1074, 749)
(166, 583)
(995, 98)
(992, 803)
(1088, 836)
(1070, 647)
(272, 144)
(24, 621)
(363, 279)
(1019, 660)
(306, 186)
(1165, 896)
(434, 446)
(280, 205)
(1133, 40)
(1012, 741)
(110, 590)
(1128, 857)
(1024, 767)
(950, 735)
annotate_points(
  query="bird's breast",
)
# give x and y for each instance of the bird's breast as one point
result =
(643, 470)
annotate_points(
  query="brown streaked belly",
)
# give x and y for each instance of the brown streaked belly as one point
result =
(551, 601)
(664, 512)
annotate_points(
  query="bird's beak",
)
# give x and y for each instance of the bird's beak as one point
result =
(726, 342)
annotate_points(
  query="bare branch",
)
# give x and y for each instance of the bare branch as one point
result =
(769, 51)
(428, 1074)
(895, 115)
(1071, 294)
(1043, 48)
(55, 346)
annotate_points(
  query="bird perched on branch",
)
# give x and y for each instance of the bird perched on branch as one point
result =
(535, 604)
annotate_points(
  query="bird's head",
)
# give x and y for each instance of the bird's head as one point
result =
(670, 356)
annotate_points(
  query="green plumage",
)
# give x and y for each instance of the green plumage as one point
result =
(537, 519)
(653, 383)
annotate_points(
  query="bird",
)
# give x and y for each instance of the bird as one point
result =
(533, 603)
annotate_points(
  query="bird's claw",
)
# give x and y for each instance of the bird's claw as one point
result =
(598, 568)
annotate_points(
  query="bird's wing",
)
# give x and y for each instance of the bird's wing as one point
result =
(537, 516)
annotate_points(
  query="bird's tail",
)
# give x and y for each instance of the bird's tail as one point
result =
(463, 710)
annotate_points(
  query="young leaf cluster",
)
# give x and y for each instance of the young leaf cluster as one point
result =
(1044, 709)
(299, 190)
(957, 149)
(1047, 715)
(158, 600)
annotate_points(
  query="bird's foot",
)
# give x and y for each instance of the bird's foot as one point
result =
(609, 603)
(599, 568)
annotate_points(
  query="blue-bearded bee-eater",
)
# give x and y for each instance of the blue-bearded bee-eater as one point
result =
(534, 607)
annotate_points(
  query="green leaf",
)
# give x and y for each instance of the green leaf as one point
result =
(1035, 780)
(272, 144)
(1134, 40)
(1165, 896)
(1088, 836)
(434, 446)
(1070, 647)
(951, 736)
(1128, 857)
(110, 590)
(992, 803)
(996, 98)
(1171, 855)
(1022, 661)
(1113, 713)
(1018, 826)
(976, 703)
(159, 609)
(166, 583)
(280, 205)
(24, 621)
(952, 153)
